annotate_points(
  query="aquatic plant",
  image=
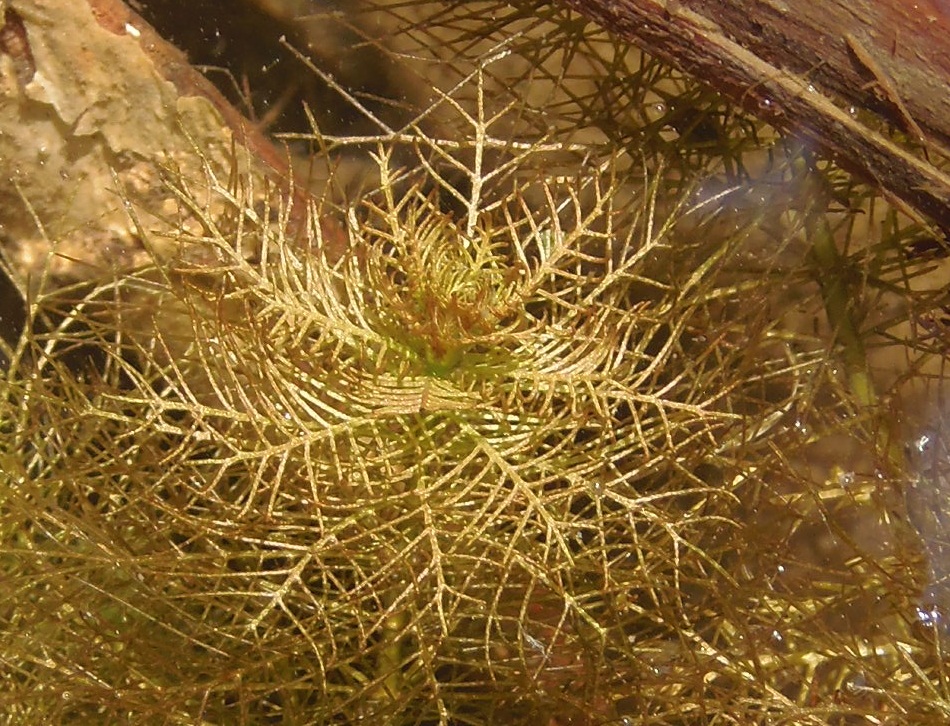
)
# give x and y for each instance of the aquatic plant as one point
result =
(538, 423)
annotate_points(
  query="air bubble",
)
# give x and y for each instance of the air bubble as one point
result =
(929, 616)
(844, 478)
(923, 443)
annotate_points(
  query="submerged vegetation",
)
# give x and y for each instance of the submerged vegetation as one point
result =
(540, 419)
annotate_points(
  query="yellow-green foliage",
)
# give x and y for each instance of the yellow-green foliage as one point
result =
(540, 442)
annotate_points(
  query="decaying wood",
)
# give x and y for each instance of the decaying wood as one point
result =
(804, 65)
(94, 109)
(173, 65)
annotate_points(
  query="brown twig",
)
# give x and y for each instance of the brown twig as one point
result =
(800, 65)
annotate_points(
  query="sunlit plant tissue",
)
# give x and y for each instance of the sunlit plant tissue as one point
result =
(525, 427)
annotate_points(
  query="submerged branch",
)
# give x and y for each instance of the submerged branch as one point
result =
(804, 65)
